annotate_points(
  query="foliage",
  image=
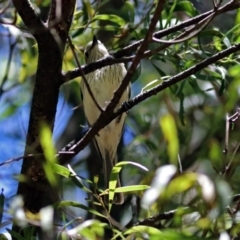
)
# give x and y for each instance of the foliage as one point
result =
(180, 151)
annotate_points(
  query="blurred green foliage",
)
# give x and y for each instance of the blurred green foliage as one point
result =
(183, 127)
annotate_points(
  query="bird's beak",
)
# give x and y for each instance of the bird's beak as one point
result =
(94, 41)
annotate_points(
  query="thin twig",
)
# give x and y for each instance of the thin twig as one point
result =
(83, 75)
(118, 56)
(226, 136)
(231, 160)
(190, 32)
(146, 94)
(100, 123)
(31, 156)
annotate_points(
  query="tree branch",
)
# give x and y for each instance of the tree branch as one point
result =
(118, 56)
(37, 191)
(76, 148)
(28, 15)
(118, 93)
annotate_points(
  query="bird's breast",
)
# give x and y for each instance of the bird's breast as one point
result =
(103, 82)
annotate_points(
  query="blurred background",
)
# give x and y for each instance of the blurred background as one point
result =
(198, 104)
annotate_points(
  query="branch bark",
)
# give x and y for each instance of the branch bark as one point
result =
(51, 40)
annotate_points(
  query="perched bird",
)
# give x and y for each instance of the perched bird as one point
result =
(103, 82)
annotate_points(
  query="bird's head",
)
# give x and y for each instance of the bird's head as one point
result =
(95, 50)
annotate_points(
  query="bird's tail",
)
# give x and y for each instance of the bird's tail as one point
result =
(108, 163)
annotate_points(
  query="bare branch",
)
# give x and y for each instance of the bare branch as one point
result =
(83, 75)
(28, 156)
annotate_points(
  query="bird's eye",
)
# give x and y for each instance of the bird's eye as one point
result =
(86, 54)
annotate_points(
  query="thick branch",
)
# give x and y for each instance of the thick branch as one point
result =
(36, 191)
(28, 15)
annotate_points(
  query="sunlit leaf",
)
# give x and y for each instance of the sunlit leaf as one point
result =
(61, 170)
(114, 176)
(49, 153)
(144, 231)
(131, 188)
(47, 144)
(169, 130)
(237, 18)
(78, 14)
(110, 17)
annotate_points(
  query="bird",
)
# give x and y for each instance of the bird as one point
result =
(103, 82)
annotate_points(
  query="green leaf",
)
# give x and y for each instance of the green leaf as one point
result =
(3, 237)
(110, 17)
(107, 27)
(61, 170)
(123, 163)
(150, 85)
(132, 188)
(234, 71)
(16, 235)
(187, 7)
(142, 230)
(128, 7)
(90, 229)
(47, 143)
(169, 130)
(114, 176)
(77, 180)
(137, 73)
(170, 13)
(8, 111)
(170, 234)
(49, 153)
(237, 18)
(63, 204)
(78, 14)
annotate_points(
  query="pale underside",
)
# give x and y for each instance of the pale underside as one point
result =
(103, 83)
